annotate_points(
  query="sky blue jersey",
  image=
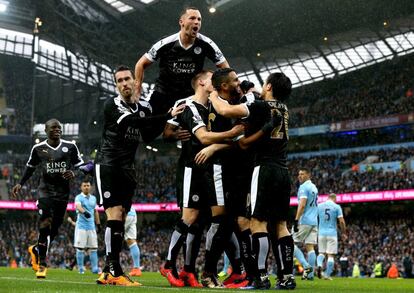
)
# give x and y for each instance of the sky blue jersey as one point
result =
(88, 202)
(329, 212)
(309, 191)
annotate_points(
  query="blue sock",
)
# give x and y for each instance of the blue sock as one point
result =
(94, 261)
(226, 263)
(80, 256)
(329, 266)
(312, 261)
(135, 253)
(300, 257)
(320, 259)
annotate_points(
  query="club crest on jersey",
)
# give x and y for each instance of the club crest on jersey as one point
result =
(195, 198)
(65, 149)
(197, 50)
(141, 114)
(107, 194)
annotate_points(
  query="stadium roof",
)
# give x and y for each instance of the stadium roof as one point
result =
(309, 40)
(241, 28)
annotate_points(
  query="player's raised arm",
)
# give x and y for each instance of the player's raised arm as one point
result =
(140, 67)
(225, 109)
(209, 137)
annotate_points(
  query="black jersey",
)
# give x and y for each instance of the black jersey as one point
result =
(120, 138)
(218, 123)
(195, 116)
(179, 65)
(53, 162)
(243, 160)
(272, 149)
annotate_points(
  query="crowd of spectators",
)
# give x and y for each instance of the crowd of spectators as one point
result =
(385, 241)
(340, 174)
(367, 243)
(331, 173)
(156, 180)
(382, 89)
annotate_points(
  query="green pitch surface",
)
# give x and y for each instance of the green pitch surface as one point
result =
(59, 280)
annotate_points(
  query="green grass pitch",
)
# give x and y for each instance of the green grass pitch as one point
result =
(60, 280)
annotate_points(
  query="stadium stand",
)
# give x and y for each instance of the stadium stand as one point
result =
(389, 86)
(369, 241)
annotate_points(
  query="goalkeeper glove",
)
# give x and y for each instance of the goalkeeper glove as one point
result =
(87, 168)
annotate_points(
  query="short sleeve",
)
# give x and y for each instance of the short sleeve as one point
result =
(340, 215)
(34, 159)
(302, 193)
(213, 51)
(192, 119)
(76, 158)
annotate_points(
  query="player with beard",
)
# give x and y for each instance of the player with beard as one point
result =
(199, 189)
(57, 159)
(237, 167)
(181, 56)
(125, 122)
(220, 234)
(270, 187)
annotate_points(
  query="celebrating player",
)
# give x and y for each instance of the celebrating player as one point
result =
(270, 187)
(125, 122)
(57, 159)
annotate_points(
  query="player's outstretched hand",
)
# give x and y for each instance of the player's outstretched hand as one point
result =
(87, 214)
(203, 155)
(182, 134)
(68, 175)
(177, 110)
(15, 190)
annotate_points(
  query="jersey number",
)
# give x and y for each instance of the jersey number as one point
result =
(327, 215)
(313, 202)
(276, 132)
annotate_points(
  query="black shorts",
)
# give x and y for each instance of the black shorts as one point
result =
(161, 103)
(202, 187)
(270, 193)
(49, 207)
(237, 191)
(115, 186)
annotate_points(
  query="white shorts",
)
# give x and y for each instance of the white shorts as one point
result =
(130, 228)
(85, 239)
(307, 234)
(328, 244)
